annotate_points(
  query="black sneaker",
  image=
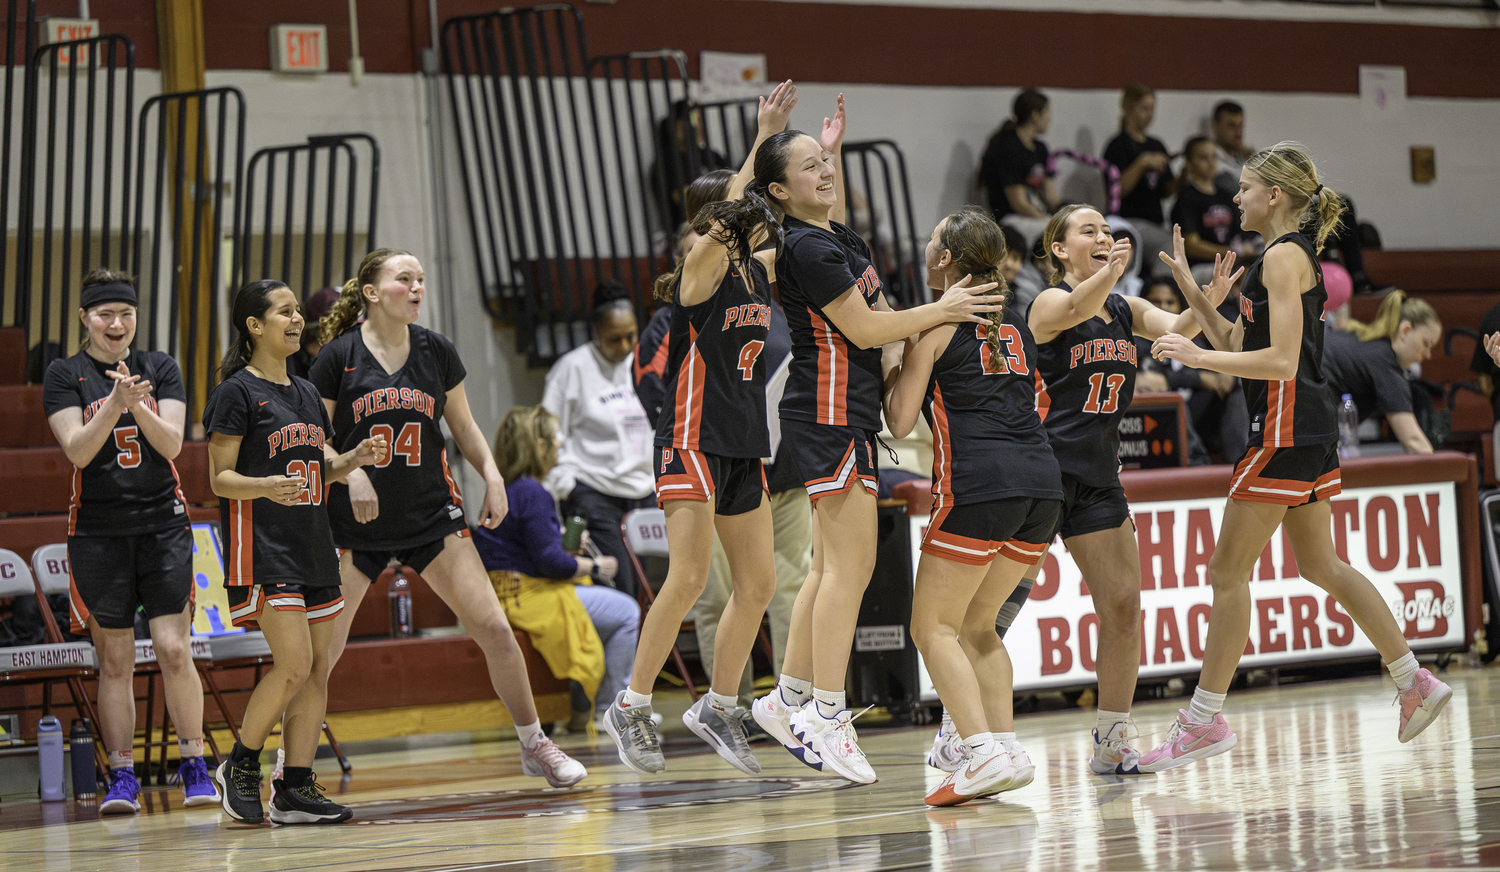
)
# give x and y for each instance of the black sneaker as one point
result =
(306, 805)
(240, 786)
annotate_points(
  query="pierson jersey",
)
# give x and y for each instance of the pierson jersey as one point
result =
(419, 497)
(988, 442)
(715, 377)
(283, 429)
(128, 488)
(832, 381)
(1089, 373)
(1300, 411)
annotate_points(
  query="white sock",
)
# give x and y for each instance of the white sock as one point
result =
(122, 759)
(1204, 706)
(633, 699)
(1106, 721)
(830, 703)
(721, 703)
(529, 733)
(947, 726)
(280, 759)
(1404, 671)
(1008, 741)
(189, 747)
(795, 692)
(980, 744)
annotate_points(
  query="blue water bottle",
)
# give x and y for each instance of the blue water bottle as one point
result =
(49, 746)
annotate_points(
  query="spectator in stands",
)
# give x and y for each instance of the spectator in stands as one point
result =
(1371, 362)
(1032, 278)
(1214, 407)
(1015, 254)
(1132, 283)
(683, 154)
(604, 466)
(1228, 129)
(1015, 169)
(1206, 212)
(1145, 172)
(318, 305)
(587, 633)
(1486, 362)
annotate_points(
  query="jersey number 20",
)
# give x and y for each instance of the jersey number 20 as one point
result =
(312, 471)
(408, 444)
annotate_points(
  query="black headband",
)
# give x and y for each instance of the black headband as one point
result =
(109, 292)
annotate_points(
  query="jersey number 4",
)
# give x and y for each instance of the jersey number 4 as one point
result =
(130, 447)
(408, 444)
(312, 471)
(1110, 390)
(1010, 360)
(748, 355)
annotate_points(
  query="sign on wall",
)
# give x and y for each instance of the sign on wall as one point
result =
(299, 48)
(55, 30)
(1404, 538)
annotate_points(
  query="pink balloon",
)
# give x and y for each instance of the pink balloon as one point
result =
(1340, 286)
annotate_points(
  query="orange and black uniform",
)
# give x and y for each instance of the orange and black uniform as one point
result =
(1293, 454)
(830, 411)
(711, 430)
(129, 544)
(996, 485)
(275, 555)
(420, 503)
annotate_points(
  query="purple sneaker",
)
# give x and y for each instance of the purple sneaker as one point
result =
(197, 785)
(124, 790)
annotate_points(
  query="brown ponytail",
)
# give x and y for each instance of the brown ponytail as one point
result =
(977, 245)
(1288, 166)
(1394, 309)
(351, 302)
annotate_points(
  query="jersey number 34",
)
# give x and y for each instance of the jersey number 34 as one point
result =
(407, 445)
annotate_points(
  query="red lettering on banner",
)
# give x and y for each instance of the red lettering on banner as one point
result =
(1382, 538)
(1160, 546)
(1345, 518)
(1048, 580)
(1197, 628)
(1422, 531)
(1200, 547)
(1305, 632)
(1270, 638)
(1167, 636)
(1335, 612)
(1415, 609)
(1056, 658)
(1088, 641)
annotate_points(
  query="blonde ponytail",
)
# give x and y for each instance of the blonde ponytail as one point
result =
(351, 301)
(1396, 308)
(1288, 166)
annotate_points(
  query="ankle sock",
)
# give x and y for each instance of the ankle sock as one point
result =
(947, 726)
(980, 744)
(633, 699)
(1404, 671)
(830, 703)
(795, 692)
(1007, 741)
(189, 747)
(297, 776)
(1204, 706)
(122, 759)
(1106, 721)
(281, 758)
(721, 703)
(241, 754)
(529, 733)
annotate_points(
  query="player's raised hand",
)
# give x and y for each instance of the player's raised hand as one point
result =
(1225, 275)
(832, 136)
(1119, 256)
(775, 111)
(1173, 346)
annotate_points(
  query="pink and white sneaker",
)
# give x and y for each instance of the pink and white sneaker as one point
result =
(548, 761)
(1421, 704)
(1189, 742)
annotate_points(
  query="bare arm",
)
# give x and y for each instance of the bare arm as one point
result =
(907, 386)
(1020, 203)
(1409, 432)
(832, 140)
(224, 453)
(164, 431)
(81, 442)
(867, 327)
(703, 270)
(1197, 248)
(471, 444)
(772, 116)
(1056, 310)
(1220, 332)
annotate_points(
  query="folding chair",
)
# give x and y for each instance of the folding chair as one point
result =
(53, 662)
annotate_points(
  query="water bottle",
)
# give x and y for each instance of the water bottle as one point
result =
(572, 538)
(49, 746)
(1348, 428)
(400, 596)
(81, 747)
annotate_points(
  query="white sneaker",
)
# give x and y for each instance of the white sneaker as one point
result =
(947, 752)
(775, 717)
(975, 777)
(835, 742)
(548, 761)
(1025, 769)
(1113, 754)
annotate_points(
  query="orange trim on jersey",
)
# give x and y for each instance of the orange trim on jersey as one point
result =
(77, 611)
(687, 409)
(1250, 485)
(1281, 407)
(239, 568)
(1043, 399)
(844, 478)
(942, 450)
(75, 499)
(658, 364)
(177, 484)
(833, 371)
(950, 546)
(694, 483)
(453, 493)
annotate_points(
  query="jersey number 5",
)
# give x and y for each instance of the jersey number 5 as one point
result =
(1111, 391)
(1010, 360)
(748, 355)
(408, 444)
(130, 448)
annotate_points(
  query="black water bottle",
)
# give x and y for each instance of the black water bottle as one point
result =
(81, 744)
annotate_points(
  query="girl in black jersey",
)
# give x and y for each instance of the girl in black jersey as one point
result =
(1087, 362)
(270, 462)
(118, 414)
(1291, 467)
(830, 413)
(997, 492)
(391, 377)
(710, 437)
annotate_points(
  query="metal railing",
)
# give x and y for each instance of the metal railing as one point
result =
(878, 196)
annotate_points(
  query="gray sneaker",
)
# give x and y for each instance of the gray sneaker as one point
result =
(725, 733)
(635, 736)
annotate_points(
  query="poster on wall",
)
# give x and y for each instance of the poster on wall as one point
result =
(1404, 538)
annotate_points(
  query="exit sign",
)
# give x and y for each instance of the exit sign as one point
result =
(54, 30)
(299, 48)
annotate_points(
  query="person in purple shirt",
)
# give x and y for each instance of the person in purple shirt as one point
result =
(528, 543)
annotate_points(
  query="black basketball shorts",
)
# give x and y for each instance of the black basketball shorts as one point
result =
(247, 601)
(736, 484)
(1018, 528)
(1088, 508)
(832, 459)
(416, 558)
(1287, 476)
(113, 576)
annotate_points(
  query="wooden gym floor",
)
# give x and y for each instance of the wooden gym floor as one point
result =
(1318, 781)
